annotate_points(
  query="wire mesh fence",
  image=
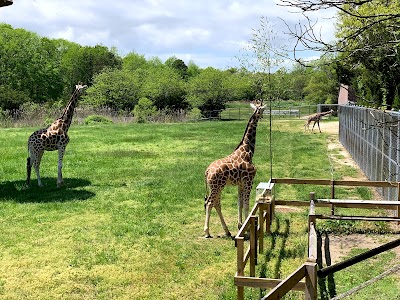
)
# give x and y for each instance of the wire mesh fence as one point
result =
(372, 138)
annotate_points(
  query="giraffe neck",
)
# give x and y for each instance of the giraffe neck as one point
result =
(249, 137)
(69, 109)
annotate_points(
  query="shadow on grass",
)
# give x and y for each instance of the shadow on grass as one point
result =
(327, 286)
(71, 191)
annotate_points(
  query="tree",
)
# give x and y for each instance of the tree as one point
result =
(164, 86)
(368, 39)
(208, 91)
(133, 61)
(144, 110)
(116, 89)
(178, 65)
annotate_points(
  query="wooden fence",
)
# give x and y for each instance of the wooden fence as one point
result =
(259, 222)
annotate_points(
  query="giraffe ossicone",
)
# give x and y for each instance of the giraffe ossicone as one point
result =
(54, 137)
(234, 169)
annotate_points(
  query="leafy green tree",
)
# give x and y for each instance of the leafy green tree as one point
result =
(178, 65)
(29, 63)
(369, 41)
(144, 109)
(164, 86)
(322, 86)
(208, 91)
(11, 99)
(113, 88)
(193, 69)
(133, 61)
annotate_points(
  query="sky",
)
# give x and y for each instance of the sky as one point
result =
(212, 33)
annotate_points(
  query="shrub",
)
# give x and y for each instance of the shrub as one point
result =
(144, 110)
(95, 119)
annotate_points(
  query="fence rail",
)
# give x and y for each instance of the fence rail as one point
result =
(265, 208)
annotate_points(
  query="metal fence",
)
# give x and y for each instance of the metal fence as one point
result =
(284, 112)
(372, 138)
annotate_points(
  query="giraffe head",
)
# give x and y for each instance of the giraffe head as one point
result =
(80, 86)
(258, 108)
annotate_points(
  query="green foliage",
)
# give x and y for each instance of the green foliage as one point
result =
(163, 85)
(369, 33)
(144, 110)
(117, 89)
(96, 119)
(11, 99)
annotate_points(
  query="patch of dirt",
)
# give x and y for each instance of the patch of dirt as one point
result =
(341, 245)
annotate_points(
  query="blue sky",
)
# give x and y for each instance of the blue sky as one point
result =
(208, 32)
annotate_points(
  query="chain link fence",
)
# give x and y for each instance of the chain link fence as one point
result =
(372, 138)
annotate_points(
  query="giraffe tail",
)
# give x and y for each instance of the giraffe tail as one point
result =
(28, 171)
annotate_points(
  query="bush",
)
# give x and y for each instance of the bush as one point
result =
(144, 110)
(95, 119)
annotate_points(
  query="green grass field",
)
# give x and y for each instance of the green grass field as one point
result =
(128, 224)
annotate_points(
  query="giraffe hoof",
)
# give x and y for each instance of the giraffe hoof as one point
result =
(208, 237)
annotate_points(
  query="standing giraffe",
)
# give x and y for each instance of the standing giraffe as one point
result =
(316, 118)
(52, 138)
(235, 169)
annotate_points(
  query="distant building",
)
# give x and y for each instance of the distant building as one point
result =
(346, 95)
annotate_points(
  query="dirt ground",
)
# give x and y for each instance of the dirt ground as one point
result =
(341, 245)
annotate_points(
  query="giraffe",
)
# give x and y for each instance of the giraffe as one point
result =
(316, 118)
(52, 138)
(235, 169)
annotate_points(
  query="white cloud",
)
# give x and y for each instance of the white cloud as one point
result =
(211, 33)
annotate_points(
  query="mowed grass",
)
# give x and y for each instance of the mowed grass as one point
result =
(128, 224)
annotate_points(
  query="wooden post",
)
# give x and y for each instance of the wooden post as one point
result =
(240, 265)
(261, 209)
(333, 197)
(269, 217)
(253, 249)
(397, 212)
(311, 281)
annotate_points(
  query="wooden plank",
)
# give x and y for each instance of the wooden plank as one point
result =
(311, 281)
(246, 223)
(336, 182)
(239, 255)
(358, 218)
(264, 283)
(360, 203)
(312, 243)
(286, 285)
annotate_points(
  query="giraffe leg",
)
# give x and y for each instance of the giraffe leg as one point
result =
(240, 206)
(60, 181)
(36, 164)
(207, 222)
(218, 209)
(319, 127)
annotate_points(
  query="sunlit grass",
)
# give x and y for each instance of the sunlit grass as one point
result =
(128, 224)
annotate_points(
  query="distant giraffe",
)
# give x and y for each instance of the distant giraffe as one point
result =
(235, 169)
(52, 138)
(315, 118)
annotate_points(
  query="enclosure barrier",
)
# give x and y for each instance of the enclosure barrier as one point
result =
(371, 136)
(265, 207)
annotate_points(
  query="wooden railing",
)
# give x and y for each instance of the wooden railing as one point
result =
(261, 216)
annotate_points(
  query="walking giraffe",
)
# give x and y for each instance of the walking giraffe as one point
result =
(52, 138)
(235, 169)
(315, 118)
